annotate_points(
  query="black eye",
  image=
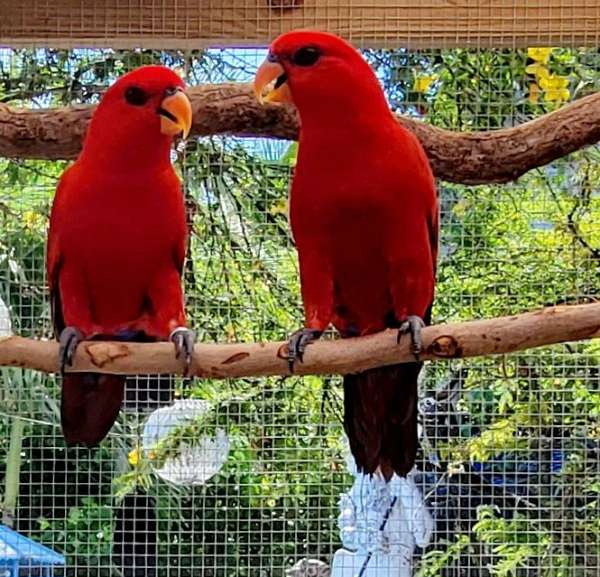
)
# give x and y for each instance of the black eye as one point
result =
(136, 96)
(306, 56)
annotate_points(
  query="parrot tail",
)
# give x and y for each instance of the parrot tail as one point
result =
(380, 418)
(89, 407)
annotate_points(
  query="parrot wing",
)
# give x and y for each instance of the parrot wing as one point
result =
(54, 258)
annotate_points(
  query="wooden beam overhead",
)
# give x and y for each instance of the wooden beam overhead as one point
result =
(189, 24)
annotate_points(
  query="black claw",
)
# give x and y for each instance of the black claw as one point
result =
(412, 325)
(298, 343)
(184, 339)
(68, 340)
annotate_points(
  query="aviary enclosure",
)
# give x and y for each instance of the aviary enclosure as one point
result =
(249, 476)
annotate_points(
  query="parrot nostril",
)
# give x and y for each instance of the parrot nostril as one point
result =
(172, 90)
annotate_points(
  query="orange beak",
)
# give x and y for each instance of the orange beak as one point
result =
(270, 83)
(175, 114)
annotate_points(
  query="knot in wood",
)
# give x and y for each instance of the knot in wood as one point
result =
(235, 358)
(283, 351)
(101, 354)
(445, 346)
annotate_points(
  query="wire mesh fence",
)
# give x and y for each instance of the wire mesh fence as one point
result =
(243, 478)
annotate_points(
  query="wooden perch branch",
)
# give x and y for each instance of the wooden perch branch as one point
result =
(468, 158)
(474, 338)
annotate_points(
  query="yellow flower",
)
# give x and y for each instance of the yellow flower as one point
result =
(556, 95)
(460, 208)
(539, 54)
(32, 219)
(134, 457)
(151, 455)
(554, 82)
(534, 93)
(422, 83)
(555, 88)
(230, 332)
(539, 70)
(280, 207)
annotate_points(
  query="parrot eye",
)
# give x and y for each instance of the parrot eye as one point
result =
(306, 56)
(136, 96)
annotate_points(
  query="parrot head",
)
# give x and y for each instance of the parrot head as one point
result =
(324, 76)
(138, 115)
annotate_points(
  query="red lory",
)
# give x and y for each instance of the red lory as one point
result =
(364, 217)
(117, 241)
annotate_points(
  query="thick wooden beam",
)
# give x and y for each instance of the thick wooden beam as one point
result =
(468, 158)
(457, 340)
(189, 24)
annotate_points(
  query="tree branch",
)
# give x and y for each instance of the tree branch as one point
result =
(468, 158)
(474, 338)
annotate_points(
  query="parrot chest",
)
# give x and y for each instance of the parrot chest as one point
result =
(120, 236)
(360, 226)
(348, 230)
(120, 243)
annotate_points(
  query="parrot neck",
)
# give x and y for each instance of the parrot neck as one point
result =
(367, 125)
(121, 150)
(359, 111)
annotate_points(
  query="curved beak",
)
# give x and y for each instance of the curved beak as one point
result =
(270, 83)
(175, 114)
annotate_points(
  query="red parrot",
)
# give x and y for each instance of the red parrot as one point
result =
(364, 217)
(117, 241)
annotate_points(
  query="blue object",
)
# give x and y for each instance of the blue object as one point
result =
(521, 474)
(22, 557)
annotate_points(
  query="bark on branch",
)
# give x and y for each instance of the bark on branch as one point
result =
(468, 158)
(474, 338)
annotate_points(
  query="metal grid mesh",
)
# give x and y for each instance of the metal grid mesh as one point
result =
(372, 23)
(510, 462)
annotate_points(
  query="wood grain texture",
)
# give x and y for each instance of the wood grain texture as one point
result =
(462, 157)
(188, 24)
(458, 340)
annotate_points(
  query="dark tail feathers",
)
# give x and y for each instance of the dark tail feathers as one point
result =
(89, 407)
(380, 418)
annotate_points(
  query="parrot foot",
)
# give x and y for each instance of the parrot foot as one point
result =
(298, 343)
(183, 339)
(68, 340)
(412, 325)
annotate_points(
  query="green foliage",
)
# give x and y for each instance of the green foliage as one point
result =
(86, 531)
(435, 561)
(516, 543)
